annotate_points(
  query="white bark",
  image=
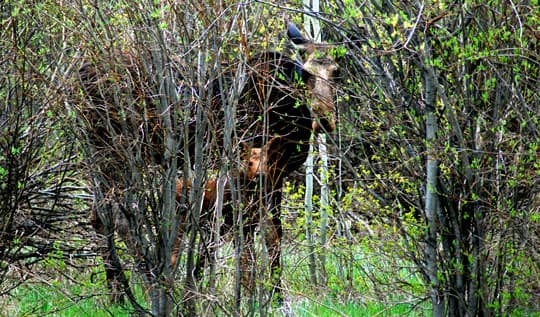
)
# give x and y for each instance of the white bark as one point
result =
(431, 199)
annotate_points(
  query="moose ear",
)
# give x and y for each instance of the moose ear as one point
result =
(295, 35)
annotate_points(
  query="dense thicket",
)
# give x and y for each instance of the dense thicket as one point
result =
(43, 199)
(442, 127)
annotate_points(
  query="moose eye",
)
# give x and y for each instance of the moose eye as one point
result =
(335, 73)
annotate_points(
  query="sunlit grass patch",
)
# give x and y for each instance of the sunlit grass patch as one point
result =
(312, 309)
(81, 294)
(38, 300)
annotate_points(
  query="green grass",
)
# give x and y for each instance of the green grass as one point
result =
(39, 300)
(351, 288)
(344, 293)
(63, 291)
(89, 300)
(356, 281)
(354, 310)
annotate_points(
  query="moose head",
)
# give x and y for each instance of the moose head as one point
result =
(322, 70)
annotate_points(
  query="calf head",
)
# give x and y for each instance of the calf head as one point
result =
(267, 162)
(251, 165)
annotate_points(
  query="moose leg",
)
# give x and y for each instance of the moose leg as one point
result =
(116, 278)
(112, 272)
(208, 248)
(271, 222)
(273, 244)
(247, 261)
(175, 254)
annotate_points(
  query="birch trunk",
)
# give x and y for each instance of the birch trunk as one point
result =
(312, 26)
(431, 199)
(308, 204)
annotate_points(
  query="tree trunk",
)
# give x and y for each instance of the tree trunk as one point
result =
(431, 199)
(308, 204)
(325, 207)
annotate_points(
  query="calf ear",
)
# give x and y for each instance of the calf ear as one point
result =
(244, 154)
(295, 35)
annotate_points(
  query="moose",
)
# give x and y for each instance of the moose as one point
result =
(296, 99)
